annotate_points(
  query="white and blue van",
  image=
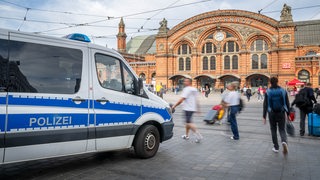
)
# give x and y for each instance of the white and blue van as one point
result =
(63, 97)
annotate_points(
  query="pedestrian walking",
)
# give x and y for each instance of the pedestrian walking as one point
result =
(276, 104)
(248, 93)
(260, 93)
(189, 98)
(207, 90)
(304, 102)
(232, 101)
(159, 89)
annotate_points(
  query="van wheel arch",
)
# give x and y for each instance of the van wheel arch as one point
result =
(147, 140)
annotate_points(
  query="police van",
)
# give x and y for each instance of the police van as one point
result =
(63, 97)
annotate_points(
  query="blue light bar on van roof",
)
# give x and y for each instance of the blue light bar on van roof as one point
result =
(78, 37)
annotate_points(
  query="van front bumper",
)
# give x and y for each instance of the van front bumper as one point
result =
(167, 130)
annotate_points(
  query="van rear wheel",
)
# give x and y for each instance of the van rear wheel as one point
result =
(147, 141)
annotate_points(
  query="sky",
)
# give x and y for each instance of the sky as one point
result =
(99, 19)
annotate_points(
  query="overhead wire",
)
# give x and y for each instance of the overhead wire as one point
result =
(267, 6)
(128, 15)
(299, 8)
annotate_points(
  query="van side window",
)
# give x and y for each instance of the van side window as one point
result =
(109, 72)
(128, 81)
(4, 50)
(40, 68)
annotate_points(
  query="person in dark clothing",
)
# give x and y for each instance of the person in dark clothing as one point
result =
(276, 104)
(248, 94)
(305, 110)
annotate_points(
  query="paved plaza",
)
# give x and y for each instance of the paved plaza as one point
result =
(216, 157)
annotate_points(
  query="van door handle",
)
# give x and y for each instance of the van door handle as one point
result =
(78, 99)
(102, 100)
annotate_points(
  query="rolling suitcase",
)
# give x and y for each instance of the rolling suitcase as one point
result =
(314, 124)
(210, 117)
(216, 113)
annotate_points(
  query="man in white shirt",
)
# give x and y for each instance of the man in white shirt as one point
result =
(232, 100)
(189, 98)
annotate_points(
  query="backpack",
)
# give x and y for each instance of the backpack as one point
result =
(316, 109)
(276, 100)
(248, 91)
(301, 99)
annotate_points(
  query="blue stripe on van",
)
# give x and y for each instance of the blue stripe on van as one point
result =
(2, 100)
(49, 120)
(2, 122)
(2, 116)
(162, 112)
(23, 121)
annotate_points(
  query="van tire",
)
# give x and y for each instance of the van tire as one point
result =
(147, 142)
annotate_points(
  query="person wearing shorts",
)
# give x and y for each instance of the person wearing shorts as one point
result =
(189, 98)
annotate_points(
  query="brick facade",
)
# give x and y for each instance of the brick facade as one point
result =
(225, 45)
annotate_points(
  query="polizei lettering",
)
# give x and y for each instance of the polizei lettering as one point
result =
(50, 121)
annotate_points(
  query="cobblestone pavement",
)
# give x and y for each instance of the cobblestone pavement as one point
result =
(216, 157)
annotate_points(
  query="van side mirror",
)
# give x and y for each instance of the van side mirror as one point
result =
(139, 87)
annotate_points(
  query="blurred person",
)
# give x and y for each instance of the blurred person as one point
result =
(248, 93)
(260, 93)
(159, 89)
(189, 98)
(232, 100)
(276, 104)
(306, 107)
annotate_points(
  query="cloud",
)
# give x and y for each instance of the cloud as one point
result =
(118, 8)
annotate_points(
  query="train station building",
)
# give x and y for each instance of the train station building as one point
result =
(221, 46)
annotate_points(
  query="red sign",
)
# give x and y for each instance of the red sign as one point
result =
(286, 66)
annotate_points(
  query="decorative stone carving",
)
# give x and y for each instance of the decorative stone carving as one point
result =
(245, 31)
(163, 26)
(193, 36)
(286, 38)
(286, 14)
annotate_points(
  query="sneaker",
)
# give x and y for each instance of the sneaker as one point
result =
(233, 138)
(185, 137)
(197, 141)
(285, 148)
(275, 150)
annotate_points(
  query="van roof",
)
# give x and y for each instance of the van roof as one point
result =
(6, 32)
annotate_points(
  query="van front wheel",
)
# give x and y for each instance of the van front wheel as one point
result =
(147, 142)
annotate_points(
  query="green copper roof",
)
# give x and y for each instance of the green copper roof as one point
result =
(142, 45)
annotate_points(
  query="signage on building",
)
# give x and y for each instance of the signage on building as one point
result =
(286, 65)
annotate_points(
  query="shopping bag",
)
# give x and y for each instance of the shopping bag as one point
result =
(289, 127)
(292, 114)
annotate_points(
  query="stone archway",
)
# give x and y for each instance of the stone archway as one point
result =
(304, 76)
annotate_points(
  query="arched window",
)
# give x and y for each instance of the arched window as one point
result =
(259, 45)
(142, 76)
(304, 76)
(227, 62)
(259, 50)
(188, 64)
(184, 61)
(153, 76)
(311, 53)
(264, 61)
(205, 63)
(255, 61)
(212, 63)
(234, 62)
(209, 47)
(230, 46)
(181, 64)
(184, 49)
